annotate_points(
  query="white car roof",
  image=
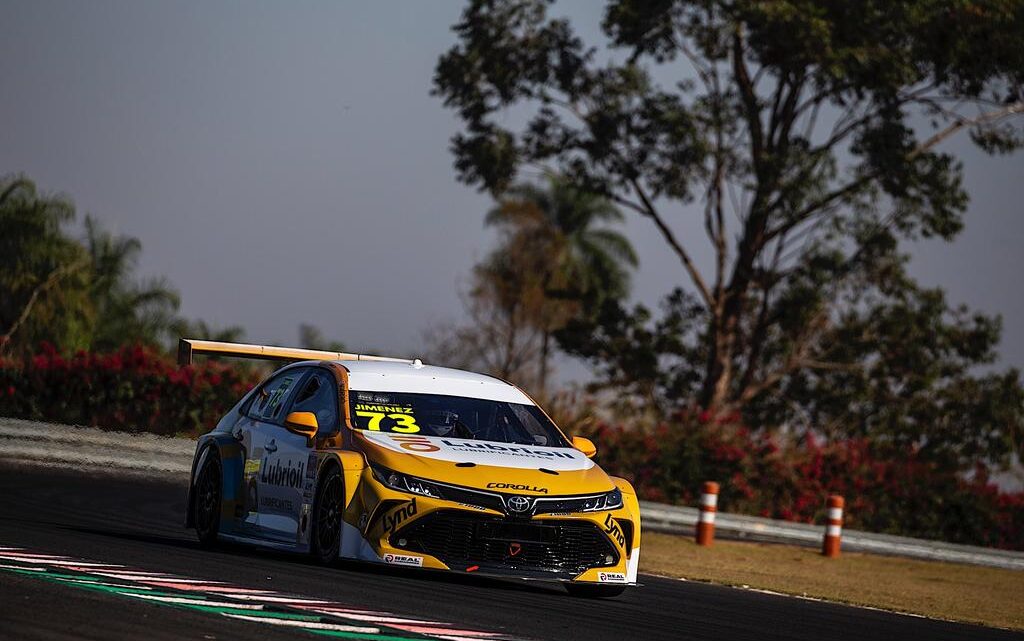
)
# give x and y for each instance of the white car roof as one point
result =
(382, 376)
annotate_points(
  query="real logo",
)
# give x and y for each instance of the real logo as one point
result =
(404, 559)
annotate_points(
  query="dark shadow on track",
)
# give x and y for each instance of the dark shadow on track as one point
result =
(254, 551)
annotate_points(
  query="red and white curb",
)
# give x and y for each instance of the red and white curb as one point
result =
(267, 607)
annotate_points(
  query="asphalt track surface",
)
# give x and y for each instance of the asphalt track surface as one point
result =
(135, 520)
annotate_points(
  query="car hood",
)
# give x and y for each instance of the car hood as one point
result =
(503, 467)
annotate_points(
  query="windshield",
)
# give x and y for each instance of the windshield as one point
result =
(454, 417)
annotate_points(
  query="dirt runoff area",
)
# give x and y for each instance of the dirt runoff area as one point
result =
(973, 594)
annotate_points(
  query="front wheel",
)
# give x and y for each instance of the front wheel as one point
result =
(206, 503)
(327, 509)
(591, 591)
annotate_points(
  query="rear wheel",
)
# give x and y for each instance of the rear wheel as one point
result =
(592, 591)
(327, 509)
(206, 503)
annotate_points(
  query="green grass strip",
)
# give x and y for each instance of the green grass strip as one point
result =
(71, 581)
(364, 635)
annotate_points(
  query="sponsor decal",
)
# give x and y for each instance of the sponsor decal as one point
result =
(252, 466)
(401, 515)
(287, 475)
(473, 507)
(612, 529)
(311, 467)
(251, 494)
(384, 409)
(404, 559)
(611, 577)
(516, 486)
(274, 503)
(400, 419)
(303, 534)
(464, 451)
(515, 450)
(415, 443)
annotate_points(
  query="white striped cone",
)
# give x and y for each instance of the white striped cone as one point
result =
(708, 508)
(834, 527)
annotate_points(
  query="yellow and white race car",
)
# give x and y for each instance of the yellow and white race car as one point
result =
(393, 461)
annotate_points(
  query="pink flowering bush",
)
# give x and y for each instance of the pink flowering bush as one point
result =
(896, 492)
(134, 388)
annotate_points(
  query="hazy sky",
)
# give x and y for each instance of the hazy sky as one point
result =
(284, 163)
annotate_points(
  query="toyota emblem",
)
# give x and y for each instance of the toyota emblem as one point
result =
(518, 504)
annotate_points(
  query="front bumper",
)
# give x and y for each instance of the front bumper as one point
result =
(425, 532)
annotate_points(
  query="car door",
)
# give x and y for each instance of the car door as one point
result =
(267, 474)
(289, 480)
(260, 408)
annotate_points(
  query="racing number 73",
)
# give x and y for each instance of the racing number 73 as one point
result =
(404, 423)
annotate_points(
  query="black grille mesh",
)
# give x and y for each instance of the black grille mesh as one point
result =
(461, 540)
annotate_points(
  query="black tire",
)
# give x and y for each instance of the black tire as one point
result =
(591, 591)
(206, 499)
(328, 505)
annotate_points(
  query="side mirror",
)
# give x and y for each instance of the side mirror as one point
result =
(302, 423)
(584, 445)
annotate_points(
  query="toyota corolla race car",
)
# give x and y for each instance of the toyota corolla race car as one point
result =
(393, 461)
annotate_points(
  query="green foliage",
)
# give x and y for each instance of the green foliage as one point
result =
(558, 258)
(126, 311)
(43, 273)
(78, 294)
(310, 337)
(807, 136)
(583, 260)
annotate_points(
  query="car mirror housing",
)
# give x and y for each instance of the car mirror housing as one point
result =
(584, 445)
(302, 423)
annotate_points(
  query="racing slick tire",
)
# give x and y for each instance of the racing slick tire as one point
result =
(589, 591)
(328, 505)
(206, 502)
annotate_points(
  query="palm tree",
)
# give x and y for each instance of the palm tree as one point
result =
(126, 310)
(585, 262)
(42, 270)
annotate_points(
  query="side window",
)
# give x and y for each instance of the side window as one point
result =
(270, 400)
(320, 396)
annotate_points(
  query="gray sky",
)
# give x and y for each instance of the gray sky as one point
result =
(285, 163)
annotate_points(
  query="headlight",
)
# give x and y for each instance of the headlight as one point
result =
(405, 483)
(610, 501)
(600, 503)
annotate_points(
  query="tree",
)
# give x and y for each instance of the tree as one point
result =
(310, 337)
(42, 271)
(808, 135)
(78, 294)
(557, 258)
(506, 306)
(184, 328)
(578, 264)
(126, 310)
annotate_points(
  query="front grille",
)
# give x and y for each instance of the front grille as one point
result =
(551, 546)
(489, 500)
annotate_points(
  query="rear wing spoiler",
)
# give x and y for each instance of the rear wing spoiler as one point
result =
(188, 348)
